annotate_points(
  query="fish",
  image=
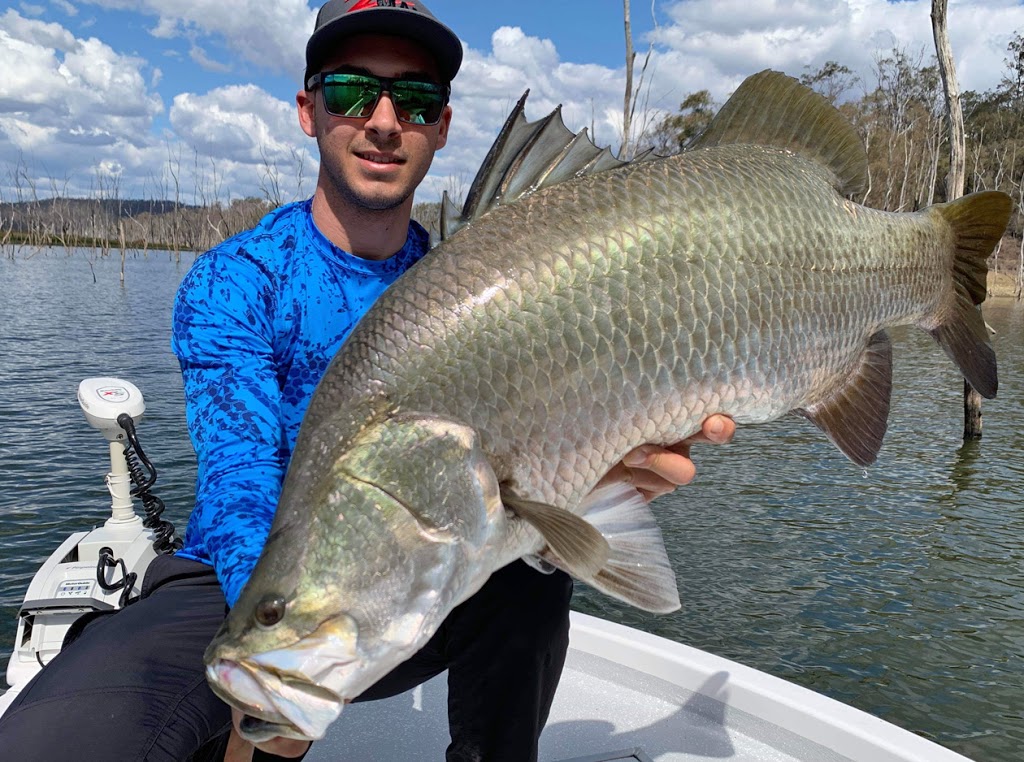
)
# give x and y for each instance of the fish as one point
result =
(579, 307)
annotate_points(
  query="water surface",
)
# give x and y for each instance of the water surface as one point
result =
(898, 589)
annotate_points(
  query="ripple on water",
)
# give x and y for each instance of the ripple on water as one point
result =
(898, 589)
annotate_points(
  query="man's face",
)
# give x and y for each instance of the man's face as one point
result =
(375, 163)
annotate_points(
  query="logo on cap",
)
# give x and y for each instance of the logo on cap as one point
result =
(363, 5)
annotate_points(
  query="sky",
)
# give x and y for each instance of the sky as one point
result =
(195, 98)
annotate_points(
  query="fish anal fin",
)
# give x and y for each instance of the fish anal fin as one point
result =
(773, 109)
(856, 415)
(580, 548)
(638, 571)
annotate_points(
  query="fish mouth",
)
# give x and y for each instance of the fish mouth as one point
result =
(257, 731)
(296, 691)
(276, 704)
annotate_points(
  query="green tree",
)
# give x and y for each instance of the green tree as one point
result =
(831, 80)
(676, 130)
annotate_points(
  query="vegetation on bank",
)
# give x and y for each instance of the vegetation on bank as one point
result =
(900, 115)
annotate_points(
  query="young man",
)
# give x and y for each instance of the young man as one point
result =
(256, 322)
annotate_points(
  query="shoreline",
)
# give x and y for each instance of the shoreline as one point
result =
(1001, 285)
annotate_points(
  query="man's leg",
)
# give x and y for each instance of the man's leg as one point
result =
(506, 647)
(132, 686)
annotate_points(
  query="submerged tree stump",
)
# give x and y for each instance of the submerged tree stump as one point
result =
(972, 412)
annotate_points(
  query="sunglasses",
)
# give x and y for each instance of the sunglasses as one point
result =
(356, 95)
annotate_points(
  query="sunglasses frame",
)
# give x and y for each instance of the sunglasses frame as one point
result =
(384, 85)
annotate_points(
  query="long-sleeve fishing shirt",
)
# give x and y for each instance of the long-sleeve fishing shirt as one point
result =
(256, 321)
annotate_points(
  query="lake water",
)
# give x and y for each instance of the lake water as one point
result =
(898, 589)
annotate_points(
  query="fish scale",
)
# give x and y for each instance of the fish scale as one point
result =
(656, 320)
(470, 417)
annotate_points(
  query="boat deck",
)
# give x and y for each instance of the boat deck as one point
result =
(603, 712)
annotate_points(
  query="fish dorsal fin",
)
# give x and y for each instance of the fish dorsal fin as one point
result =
(581, 548)
(773, 109)
(856, 416)
(525, 157)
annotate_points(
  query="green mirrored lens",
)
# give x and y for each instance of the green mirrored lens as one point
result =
(355, 95)
(418, 102)
(350, 94)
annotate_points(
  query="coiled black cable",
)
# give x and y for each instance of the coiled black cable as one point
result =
(138, 464)
(125, 584)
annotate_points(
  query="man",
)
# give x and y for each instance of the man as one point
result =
(256, 321)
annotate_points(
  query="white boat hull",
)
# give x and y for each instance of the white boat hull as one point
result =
(629, 695)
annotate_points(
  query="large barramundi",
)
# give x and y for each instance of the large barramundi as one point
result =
(468, 418)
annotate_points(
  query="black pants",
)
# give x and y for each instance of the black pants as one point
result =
(131, 684)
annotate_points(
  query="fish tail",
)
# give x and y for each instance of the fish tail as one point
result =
(977, 223)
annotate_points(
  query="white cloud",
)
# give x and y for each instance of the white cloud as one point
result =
(37, 33)
(71, 85)
(270, 34)
(67, 8)
(74, 103)
(247, 133)
(76, 109)
(198, 55)
(710, 44)
(718, 42)
(66, 103)
(235, 122)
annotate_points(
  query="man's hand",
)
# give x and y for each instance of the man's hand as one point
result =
(656, 471)
(240, 750)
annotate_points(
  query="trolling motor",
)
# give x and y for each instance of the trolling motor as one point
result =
(102, 569)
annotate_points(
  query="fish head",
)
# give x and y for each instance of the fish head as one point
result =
(368, 554)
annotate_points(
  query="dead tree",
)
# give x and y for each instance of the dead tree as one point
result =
(957, 165)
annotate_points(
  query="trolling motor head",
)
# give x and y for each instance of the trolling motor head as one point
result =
(104, 398)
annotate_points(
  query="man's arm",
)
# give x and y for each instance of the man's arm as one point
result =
(222, 333)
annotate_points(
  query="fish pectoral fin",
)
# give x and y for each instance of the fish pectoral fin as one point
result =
(580, 548)
(856, 416)
(638, 571)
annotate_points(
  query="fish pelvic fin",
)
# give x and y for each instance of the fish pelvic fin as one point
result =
(579, 547)
(856, 415)
(773, 109)
(637, 570)
(977, 222)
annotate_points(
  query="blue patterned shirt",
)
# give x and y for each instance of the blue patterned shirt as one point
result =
(256, 321)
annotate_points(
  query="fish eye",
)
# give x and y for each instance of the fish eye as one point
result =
(270, 610)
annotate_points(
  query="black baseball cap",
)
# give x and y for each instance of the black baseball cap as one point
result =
(406, 18)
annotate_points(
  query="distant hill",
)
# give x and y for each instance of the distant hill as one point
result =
(133, 223)
(110, 207)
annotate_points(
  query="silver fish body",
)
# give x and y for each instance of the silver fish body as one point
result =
(468, 418)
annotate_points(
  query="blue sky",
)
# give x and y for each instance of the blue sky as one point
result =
(101, 92)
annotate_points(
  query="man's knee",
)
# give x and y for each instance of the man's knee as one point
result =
(526, 607)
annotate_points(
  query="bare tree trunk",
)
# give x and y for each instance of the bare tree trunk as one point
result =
(957, 167)
(627, 109)
(1019, 291)
(947, 68)
(124, 245)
